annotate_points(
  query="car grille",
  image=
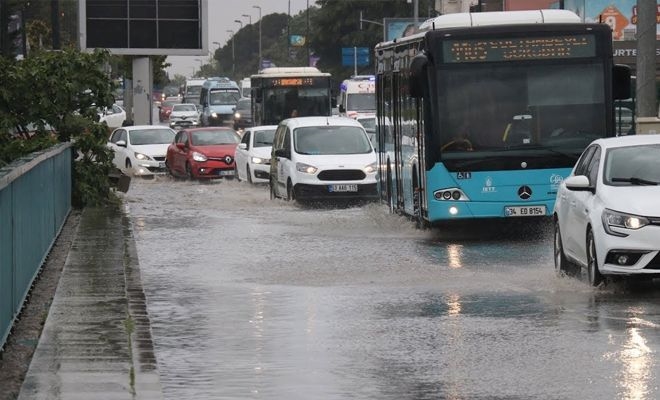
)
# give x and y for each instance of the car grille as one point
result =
(225, 159)
(159, 158)
(341, 175)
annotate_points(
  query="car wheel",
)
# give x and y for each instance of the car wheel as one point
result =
(389, 188)
(189, 173)
(290, 196)
(249, 176)
(562, 265)
(593, 273)
(238, 177)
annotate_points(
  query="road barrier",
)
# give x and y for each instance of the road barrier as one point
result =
(35, 200)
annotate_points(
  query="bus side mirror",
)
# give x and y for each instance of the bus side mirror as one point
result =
(621, 85)
(418, 75)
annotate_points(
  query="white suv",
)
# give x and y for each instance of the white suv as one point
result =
(317, 158)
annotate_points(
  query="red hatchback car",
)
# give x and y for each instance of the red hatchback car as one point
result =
(165, 109)
(203, 153)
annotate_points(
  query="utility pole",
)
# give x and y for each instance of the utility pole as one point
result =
(233, 60)
(259, 66)
(646, 48)
(55, 21)
(307, 36)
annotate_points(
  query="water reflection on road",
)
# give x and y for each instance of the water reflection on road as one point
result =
(253, 298)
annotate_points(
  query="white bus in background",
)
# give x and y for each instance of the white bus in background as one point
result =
(245, 87)
(357, 96)
(192, 89)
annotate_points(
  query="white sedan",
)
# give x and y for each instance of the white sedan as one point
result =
(140, 150)
(607, 213)
(114, 116)
(253, 154)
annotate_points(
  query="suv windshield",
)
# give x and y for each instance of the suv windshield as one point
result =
(319, 140)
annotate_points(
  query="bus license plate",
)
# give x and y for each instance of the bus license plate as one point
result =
(524, 211)
(343, 188)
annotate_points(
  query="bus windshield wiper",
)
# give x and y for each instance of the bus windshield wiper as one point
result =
(635, 181)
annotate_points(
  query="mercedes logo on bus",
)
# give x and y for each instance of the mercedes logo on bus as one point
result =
(524, 192)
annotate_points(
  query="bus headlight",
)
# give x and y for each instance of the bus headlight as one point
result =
(237, 115)
(214, 115)
(447, 194)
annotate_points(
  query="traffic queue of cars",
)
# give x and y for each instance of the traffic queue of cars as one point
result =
(606, 215)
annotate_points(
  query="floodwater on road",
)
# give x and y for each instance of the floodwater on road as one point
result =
(256, 298)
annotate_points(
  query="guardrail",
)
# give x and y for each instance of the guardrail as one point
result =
(35, 200)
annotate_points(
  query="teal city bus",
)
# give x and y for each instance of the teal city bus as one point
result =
(483, 115)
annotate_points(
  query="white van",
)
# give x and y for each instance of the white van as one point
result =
(316, 158)
(357, 96)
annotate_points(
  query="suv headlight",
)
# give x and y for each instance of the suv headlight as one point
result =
(259, 160)
(306, 168)
(199, 157)
(141, 156)
(614, 219)
(371, 168)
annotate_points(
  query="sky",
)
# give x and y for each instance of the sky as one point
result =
(222, 14)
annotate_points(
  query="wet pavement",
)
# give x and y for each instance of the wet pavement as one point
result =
(254, 298)
(96, 342)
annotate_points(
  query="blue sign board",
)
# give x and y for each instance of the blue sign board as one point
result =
(348, 56)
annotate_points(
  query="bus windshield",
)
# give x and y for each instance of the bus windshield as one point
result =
(280, 103)
(506, 106)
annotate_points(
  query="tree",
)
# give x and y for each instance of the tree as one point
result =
(72, 86)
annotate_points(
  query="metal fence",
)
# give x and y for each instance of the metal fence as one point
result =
(35, 200)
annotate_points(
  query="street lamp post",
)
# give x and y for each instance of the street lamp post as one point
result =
(238, 21)
(200, 64)
(247, 16)
(233, 67)
(258, 7)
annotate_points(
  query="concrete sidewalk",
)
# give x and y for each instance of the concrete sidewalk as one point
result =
(96, 342)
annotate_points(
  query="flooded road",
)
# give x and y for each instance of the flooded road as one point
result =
(253, 298)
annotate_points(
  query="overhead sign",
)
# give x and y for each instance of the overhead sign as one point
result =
(349, 56)
(145, 27)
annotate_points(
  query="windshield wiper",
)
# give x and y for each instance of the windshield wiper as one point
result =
(635, 181)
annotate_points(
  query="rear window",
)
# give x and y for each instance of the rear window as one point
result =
(321, 140)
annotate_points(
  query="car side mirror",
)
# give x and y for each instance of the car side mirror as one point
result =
(342, 109)
(282, 153)
(242, 146)
(121, 143)
(578, 183)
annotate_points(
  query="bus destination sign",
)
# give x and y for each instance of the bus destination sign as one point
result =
(292, 82)
(519, 49)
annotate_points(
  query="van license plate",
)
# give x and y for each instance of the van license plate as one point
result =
(524, 211)
(343, 188)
